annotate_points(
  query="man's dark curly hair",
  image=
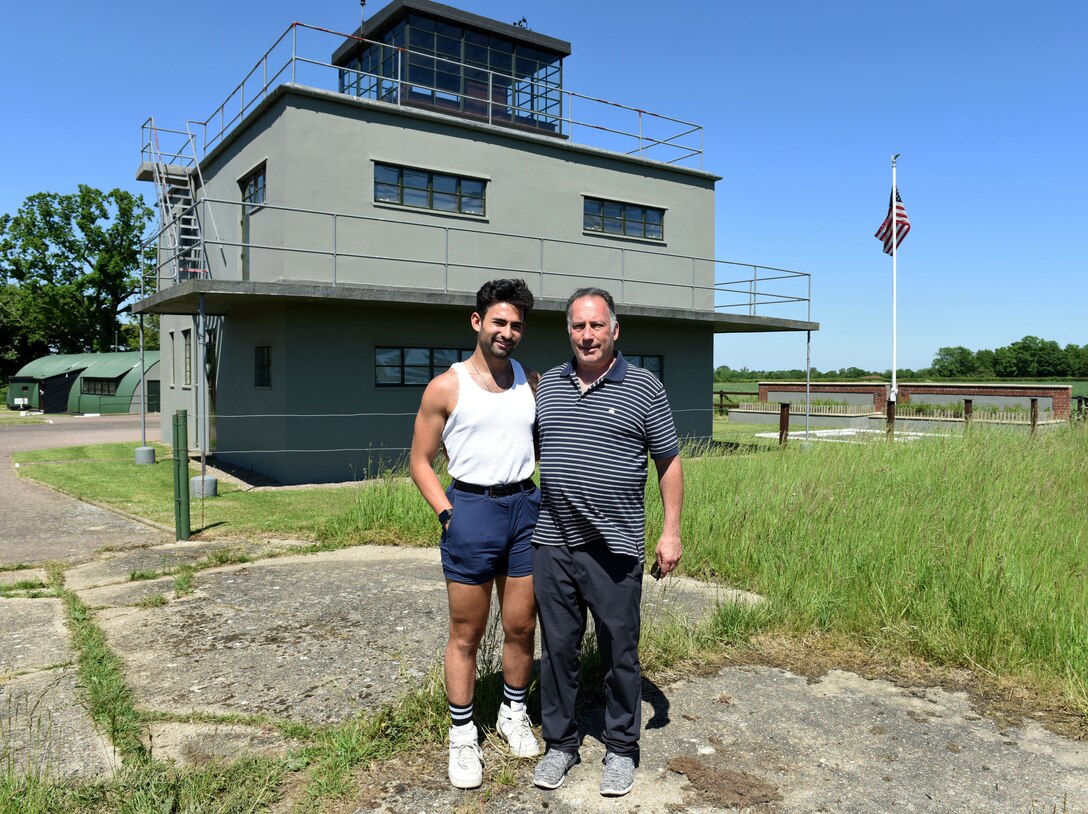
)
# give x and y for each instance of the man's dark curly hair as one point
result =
(514, 292)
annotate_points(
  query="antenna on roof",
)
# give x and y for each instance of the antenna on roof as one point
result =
(362, 14)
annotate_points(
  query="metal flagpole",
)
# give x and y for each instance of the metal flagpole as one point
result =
(894, 214)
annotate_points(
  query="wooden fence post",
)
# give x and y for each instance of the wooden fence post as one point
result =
(968, 411)
(783, 422)
(890, 413)
(1034, 414)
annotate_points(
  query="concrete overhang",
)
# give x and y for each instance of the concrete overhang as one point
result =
(226, 297)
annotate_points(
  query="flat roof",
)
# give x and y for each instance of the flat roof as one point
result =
(224, 297)
(515, 33)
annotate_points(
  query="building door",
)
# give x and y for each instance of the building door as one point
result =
(55, 390)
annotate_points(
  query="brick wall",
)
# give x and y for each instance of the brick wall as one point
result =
(1059, 394)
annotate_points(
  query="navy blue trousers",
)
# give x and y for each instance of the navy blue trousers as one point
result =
(568, 582)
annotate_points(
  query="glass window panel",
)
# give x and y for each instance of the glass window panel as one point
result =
(501, 45)
(593, 223)
(476, 37)
(448, 46)
(421, 61)
(417, 356)
(415, 197)
(503, 63)
(416, 179)
(613, 226)
(652, 364)
(465, 354)
(421, 22)
(449, 29)
(634, 213)
(475, 54)
(386, 174)
(387, 193)
(524, 66)
(612, 210)
(654, 231)
(633, 228)
(472, 206)
(444, 357)
(387, 356)
(448, 81)
(445, 183)
(444, 202)
(387, 375)
(417, 375)
(473, 187)
(591, 206)
(475, 75)
(420, 40)
(654, 215)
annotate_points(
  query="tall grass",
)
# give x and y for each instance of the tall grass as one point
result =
(964, 551)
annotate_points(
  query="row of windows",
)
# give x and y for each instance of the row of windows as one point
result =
(414, 366)
(98, 387)
(452, 193)
(401, 366)
(443, 192)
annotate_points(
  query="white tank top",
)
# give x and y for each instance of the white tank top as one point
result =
(489, 436)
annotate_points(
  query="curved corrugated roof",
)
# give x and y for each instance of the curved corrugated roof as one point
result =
(95, 365)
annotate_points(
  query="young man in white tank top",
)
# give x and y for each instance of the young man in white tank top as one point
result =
(482, 412)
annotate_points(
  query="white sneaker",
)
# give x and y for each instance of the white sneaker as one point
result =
(517, 731)
(466, 759)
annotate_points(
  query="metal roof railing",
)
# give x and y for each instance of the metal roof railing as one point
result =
(299, 56)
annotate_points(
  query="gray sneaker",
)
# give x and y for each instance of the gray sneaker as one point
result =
(618, 776)
(553, 767)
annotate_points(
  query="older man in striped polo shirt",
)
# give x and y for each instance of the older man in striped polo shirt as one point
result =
(598, 419)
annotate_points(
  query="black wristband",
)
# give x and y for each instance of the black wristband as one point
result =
(444, 516)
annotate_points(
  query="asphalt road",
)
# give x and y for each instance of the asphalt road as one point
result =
(38, 525)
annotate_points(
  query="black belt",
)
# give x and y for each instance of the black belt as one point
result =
(502, 490)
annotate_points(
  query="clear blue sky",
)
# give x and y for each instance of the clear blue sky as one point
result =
(803, 104)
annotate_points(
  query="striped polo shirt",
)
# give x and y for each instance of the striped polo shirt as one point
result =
(593, 449)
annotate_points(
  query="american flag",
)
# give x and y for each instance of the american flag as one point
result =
(884, 233)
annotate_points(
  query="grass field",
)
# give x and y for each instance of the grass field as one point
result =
(955, 552)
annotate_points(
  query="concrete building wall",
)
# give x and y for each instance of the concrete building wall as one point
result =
(337, 424)
(534, 188)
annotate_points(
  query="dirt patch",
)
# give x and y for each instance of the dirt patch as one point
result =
(716, 785)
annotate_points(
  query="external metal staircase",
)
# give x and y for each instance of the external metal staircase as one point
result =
(182, 253)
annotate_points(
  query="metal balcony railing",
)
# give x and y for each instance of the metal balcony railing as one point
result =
(290, 244)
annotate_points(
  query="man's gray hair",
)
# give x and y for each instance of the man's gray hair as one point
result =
(593, 292)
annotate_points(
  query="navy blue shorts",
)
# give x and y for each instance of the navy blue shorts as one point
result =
(489, 535)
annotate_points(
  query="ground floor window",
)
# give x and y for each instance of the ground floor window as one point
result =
(98, 387)
(414, 366)
(262, 366)
(652, 363)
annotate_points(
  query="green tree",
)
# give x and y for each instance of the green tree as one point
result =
(954, 362)
(67, 264)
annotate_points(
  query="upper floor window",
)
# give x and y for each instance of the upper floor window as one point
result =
(654, 364)
(414, 366)
(627, 220)
(98, 387)
(253, 188)
(428, 190)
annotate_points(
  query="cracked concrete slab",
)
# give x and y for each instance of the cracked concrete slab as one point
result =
(315, 637)
(34, 635)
